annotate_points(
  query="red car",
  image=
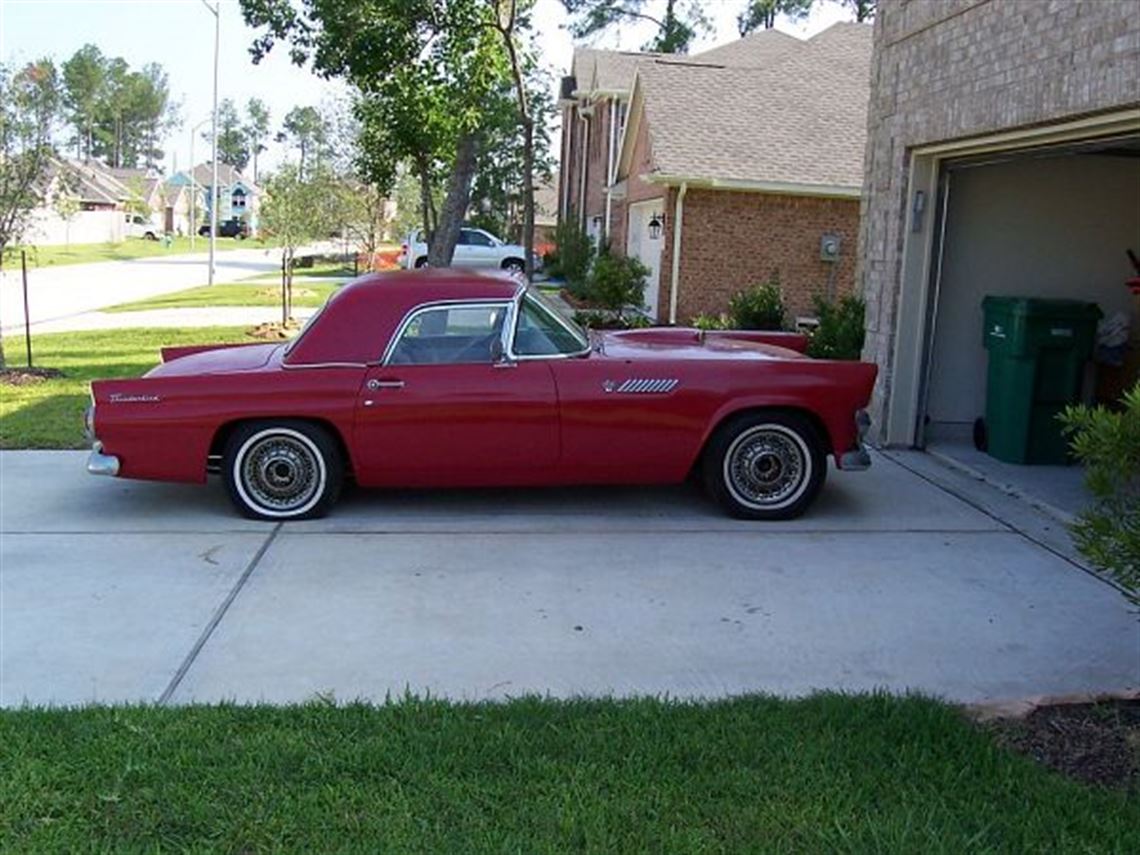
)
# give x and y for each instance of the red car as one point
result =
(447, 378)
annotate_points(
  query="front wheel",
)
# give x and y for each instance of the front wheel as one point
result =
(765, 466)
(287, 470)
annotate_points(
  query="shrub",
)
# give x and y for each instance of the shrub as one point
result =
(1108, 444)
(759, 308)
(571, 257)
(712, 322)
(840, 331)
(596, 320)
(616, 282)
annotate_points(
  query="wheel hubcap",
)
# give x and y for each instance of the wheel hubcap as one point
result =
(766, 467)
(280, 473)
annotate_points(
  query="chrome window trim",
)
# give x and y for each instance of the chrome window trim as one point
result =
(520, 295)
(441, 304)
(324, 365)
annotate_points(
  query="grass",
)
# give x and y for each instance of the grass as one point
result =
(55, 256)
(330, 269)
(50, 414)
(235, 294)
(825, 774)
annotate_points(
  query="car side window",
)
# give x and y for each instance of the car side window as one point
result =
(539, 334)
(475, 238)
(450, 335)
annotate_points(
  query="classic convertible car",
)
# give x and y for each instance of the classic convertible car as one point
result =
(447, 378)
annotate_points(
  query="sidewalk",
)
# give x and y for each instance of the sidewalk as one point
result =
(206, 316)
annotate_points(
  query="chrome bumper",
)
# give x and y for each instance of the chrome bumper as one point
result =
(855, 460)
(99, 463)
(858, 458)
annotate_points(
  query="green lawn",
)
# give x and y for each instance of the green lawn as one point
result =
(825, 774)
(326, 270)
(234, 294)
(54, 256)
(50, 414)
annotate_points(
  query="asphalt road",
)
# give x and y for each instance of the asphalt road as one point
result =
(908, 576)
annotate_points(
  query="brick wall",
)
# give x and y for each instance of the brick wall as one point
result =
(953, 69)
(733, 240)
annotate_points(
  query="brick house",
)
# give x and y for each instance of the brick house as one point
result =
(1003, 157)
(751, 153)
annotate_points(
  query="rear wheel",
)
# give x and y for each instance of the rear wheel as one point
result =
(515, 266)
(286, 470)
(765, 466)
(421, 262)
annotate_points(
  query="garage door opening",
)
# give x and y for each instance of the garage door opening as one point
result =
(1051, 223)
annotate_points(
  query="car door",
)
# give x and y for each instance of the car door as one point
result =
(443, 409)
(481, 249)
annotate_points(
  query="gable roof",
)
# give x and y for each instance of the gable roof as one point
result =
(797, 124)
(755, 49)
(227, 176)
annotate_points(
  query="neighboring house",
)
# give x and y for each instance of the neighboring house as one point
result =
(1003, 157)
(82, 203)
(725, 169)
(238, 197)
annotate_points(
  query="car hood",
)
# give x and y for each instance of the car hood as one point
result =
(219, 359)
(686, 343)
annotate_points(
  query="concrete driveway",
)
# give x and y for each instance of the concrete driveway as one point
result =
(905, 577)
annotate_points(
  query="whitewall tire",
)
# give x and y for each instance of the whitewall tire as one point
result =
(286, 470)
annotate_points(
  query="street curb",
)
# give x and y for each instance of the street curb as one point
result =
(1020, 708)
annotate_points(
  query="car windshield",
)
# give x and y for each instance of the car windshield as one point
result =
(568, 337)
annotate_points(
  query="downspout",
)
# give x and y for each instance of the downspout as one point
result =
(584, 150)
(610, 167)
(678, 221)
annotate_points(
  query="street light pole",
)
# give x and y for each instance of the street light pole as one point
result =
(216, 11)
(194, 187)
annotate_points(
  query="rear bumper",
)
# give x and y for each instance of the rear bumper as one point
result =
(99, 463)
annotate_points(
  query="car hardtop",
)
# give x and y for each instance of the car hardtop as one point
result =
(358, 320)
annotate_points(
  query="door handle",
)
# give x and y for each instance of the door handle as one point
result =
(385, 384)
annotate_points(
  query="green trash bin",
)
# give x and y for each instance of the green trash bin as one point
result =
(1037, 354)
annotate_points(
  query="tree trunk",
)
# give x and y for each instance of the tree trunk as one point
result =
(3, 363)
(528, 195)
(426, 211)
(442, 246)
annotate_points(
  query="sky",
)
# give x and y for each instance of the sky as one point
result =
(179, 35)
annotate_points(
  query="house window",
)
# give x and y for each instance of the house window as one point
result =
(237, 200)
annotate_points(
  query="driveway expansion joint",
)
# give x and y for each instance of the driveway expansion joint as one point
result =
(216, 618)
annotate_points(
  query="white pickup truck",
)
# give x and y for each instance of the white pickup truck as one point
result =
(476, 248)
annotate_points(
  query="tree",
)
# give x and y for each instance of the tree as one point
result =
(66, 206)
(676, 30)
(83, 81)
(427, 64)
(305, 129)
(30, 102)
(291, 215)
(763, 13)
(256, 130)
(864, 9)
(233, 147)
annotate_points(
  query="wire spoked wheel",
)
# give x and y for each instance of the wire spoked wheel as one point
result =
(283, 471)
(765, 466)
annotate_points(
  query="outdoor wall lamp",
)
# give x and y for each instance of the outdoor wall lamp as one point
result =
(655, 224)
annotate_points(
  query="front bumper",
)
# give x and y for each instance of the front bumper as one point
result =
(858, 458)
(99, 463)
(855, 460)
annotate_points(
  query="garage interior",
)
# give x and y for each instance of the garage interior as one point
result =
(1050, 222)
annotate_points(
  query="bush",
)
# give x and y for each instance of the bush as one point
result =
(840, 331)
(712, 322)
(759, 308)
(1108, 444)
(608, 321)
(615, 283)
(571, 257)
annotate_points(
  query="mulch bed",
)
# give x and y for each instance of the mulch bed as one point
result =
(274, 331)
(1094, 743)
(275, 291)
(28, 376)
